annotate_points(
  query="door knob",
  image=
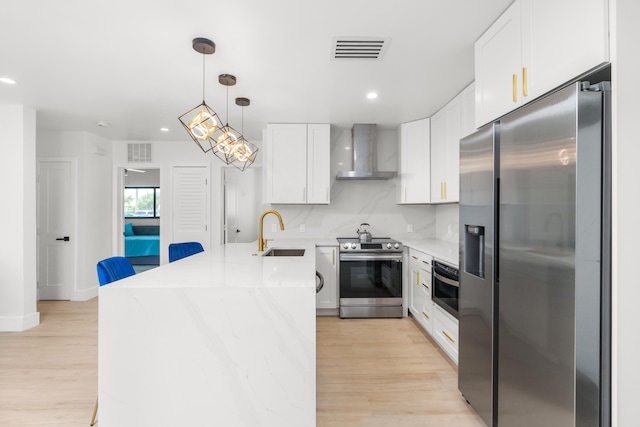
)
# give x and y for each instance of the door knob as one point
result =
(65, 238)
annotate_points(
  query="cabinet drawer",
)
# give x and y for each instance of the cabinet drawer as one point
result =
(445, 331)
(426, 316)
(420, 259)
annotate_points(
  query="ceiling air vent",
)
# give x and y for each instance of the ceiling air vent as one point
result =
(139, 153)
(359, 47)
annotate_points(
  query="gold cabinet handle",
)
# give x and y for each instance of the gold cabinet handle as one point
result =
(525, 82)
(414, 257)
(418, 279)
(448, 336)
(426, 262)
(426, 315)
(425, 285)
(515, 87)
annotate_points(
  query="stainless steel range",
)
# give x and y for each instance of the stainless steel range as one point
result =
(370, 277)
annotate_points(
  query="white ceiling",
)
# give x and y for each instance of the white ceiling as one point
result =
(130, 62)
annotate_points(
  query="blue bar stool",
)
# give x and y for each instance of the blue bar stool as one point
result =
(182, 250)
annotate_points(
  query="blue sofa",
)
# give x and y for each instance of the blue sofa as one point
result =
(142, 244)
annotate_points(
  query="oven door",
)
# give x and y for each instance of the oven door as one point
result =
(370, 276)
(445, 289)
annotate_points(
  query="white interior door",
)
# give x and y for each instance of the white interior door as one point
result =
(241, 210)
(56, 234)
(191, 208)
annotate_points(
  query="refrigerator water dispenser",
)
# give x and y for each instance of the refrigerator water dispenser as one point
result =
(474, 250)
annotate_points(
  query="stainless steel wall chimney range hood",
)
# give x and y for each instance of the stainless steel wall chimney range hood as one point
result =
(363, 137)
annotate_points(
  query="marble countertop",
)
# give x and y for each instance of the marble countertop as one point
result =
(439, 249)
(231, 266)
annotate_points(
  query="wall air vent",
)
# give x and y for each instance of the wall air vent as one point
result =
(359, 47)
(139, 153)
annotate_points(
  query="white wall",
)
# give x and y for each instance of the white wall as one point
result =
(352, 202)
(18, 286)
(167, 154)
(94, 210)
(355, 202)
(625, 34)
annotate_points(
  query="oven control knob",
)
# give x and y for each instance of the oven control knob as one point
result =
(353, 246)
(397, 246)
(347, 245)
(388, 245)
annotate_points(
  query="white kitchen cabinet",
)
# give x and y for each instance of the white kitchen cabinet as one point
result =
(415, 162)
(445, 153)
(448, 125)
(534, 47)
(297, 167)
(420, 304)
(326, 262)
(467, 111)
(445, 332)
(498, 64)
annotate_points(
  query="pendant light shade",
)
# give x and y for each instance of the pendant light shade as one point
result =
(245, 152)
(201, 122)
(226, 137)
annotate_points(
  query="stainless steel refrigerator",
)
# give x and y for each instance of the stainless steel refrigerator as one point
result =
(534, 303)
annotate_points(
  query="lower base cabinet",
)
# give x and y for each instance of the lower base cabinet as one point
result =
(442, 327)
(445, 332)
(326, 265)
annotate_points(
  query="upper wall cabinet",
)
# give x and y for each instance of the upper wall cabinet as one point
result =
(452, 122)
(534, 47)
(297, 164)
(415, 162)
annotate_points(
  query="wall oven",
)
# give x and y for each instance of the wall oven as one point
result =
(445, 287)
(370, 278)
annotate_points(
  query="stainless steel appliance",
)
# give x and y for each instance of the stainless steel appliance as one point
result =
(534, 303)
(445, 286)
(370, 277)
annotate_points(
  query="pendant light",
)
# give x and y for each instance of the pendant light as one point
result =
(245, 152)
(225, 137)
(201, 122)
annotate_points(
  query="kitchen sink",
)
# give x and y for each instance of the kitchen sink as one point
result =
(284, 252)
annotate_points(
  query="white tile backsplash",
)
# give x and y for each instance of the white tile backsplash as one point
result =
(447, 222)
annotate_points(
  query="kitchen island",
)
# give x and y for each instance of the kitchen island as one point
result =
(225, 337)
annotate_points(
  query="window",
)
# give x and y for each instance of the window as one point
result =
(142, 202)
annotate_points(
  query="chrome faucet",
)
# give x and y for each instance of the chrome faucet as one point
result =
(262, 243)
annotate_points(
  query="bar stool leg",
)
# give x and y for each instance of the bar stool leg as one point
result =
(95, 412)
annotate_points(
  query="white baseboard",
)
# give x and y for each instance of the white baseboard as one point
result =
(19, 323)
(85, 294)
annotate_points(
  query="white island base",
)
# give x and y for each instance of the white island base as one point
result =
(217, 339)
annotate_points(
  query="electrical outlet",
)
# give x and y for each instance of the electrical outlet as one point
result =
(273, 228)
(409, 228)
(302, 228)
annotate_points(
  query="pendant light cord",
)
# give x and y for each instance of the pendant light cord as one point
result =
(203, 79)
(227, 105)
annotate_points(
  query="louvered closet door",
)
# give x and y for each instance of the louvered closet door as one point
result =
(191, 207)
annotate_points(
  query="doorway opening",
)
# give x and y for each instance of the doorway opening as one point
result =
(139, 212)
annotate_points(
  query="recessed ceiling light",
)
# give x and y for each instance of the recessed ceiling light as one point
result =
(164, 129)
(7, 80)
(103, 124)
(372, 95)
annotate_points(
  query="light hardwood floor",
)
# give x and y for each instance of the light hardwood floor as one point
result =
(373, 372)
